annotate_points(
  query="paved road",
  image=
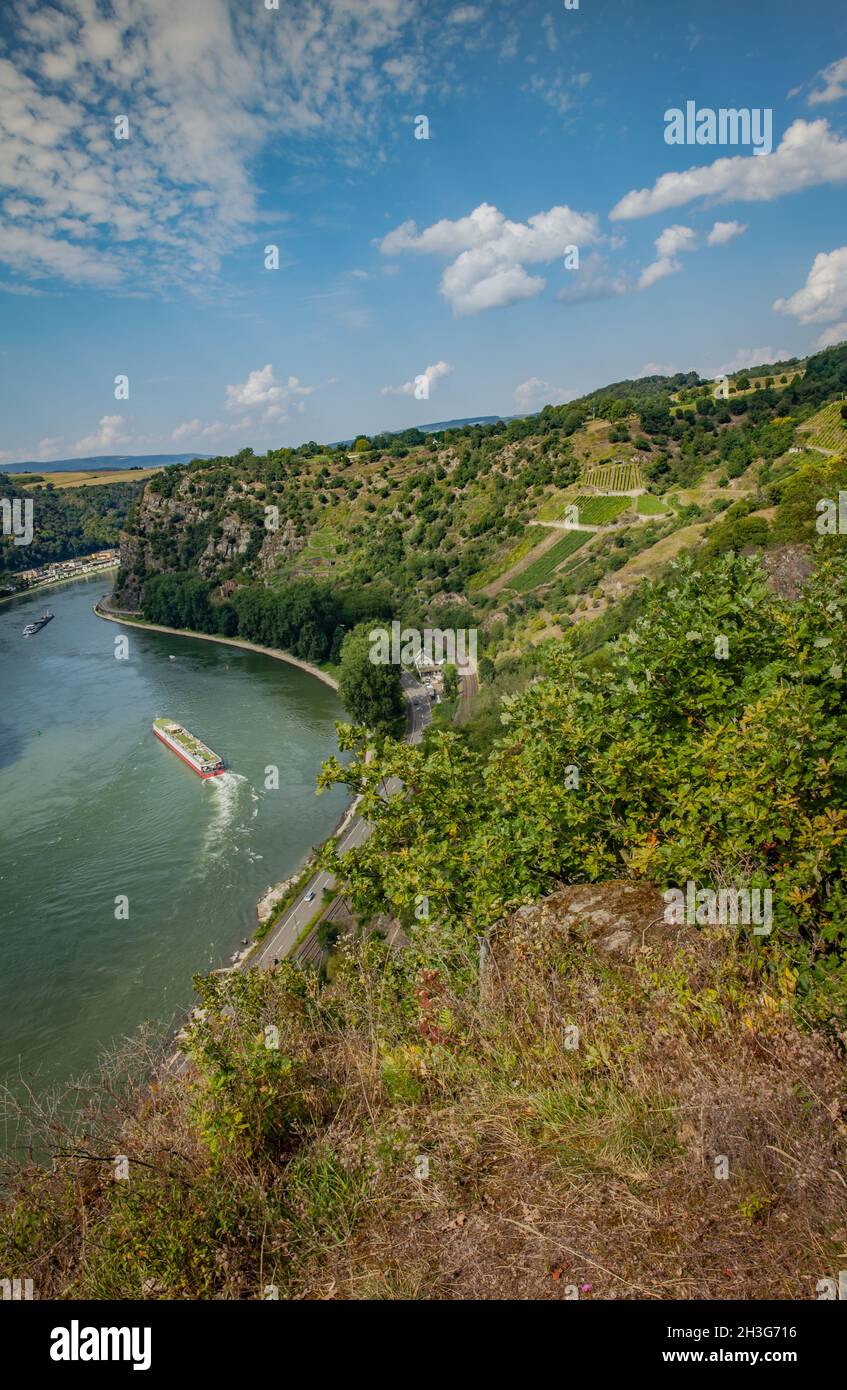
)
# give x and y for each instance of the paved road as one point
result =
(281, 940)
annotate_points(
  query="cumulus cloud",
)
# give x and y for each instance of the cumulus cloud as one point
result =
(110, 433)
(430, 374)
(832, 84)
(262, 390)
(534, 394)
(809, 154)
(723, 232)
(824, 295)
(669, 244)
(466, 14)
(491, 252)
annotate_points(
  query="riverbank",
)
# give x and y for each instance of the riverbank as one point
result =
(64, 579)
(277, 654)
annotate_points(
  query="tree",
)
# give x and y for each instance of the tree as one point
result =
(371, 690)
(451, 681)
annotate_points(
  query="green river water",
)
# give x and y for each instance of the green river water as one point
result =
(93, 807)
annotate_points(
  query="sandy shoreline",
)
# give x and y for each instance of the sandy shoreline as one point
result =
(275, 652)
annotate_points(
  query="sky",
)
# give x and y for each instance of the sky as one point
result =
(220, 225)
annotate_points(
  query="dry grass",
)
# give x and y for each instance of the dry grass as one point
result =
(553, 1169)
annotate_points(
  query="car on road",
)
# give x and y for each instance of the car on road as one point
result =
(310, 896)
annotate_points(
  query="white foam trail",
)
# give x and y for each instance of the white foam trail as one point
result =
(225, 792)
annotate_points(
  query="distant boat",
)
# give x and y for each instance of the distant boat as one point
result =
(31, 628)
(198, 756)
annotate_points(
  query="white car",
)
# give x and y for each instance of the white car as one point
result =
(310, 896)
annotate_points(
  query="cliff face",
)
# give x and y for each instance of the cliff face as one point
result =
(185, 530)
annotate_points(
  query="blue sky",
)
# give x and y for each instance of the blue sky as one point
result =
(399, 258)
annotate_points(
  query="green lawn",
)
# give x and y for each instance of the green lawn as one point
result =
(596, 511)
(648, 505)
(541, 570)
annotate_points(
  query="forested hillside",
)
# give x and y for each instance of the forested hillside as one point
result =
(66, 521)
(296, 546)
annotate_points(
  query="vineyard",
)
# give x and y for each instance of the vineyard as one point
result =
(827, 430)
(596, 511)
(614, 477)
(541, 570)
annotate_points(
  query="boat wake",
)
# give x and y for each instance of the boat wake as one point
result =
(225, 792)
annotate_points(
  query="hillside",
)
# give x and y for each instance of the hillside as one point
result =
(547, 1087)
(66, 521)
(551, 1090)
(409, 526)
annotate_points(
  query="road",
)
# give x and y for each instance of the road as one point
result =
(283, 936)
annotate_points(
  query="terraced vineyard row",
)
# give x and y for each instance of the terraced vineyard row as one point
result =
(541, 570)
(614, 477)
(827, 429)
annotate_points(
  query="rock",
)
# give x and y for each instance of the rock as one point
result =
(618, 918)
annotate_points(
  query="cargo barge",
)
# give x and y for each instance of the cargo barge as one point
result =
(31, 628)
(204, 762)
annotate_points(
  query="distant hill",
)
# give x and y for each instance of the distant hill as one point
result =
(110, 461)
(438, 425)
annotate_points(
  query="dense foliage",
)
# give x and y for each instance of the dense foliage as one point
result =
(709, 747)
(67, 522)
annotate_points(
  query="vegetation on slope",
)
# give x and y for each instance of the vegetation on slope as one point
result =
(66, 522)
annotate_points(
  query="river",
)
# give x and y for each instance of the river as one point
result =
(122, 873)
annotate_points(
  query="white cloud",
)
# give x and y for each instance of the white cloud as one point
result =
(558, 92)
(724, 232)
(432, 374)
(833, 84)
(830, 336)
(824, 295)
(658, 369)
(809, 154)
(205, 88)
(669, 244)
(491, 252)
(47, 447)
(186, 430)
(262, 390)
(752, 357)
(535, 393)
(111, 432)
(593, 280)
(466, 14)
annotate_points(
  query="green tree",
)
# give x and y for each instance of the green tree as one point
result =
(451, 681)
(371, 690)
